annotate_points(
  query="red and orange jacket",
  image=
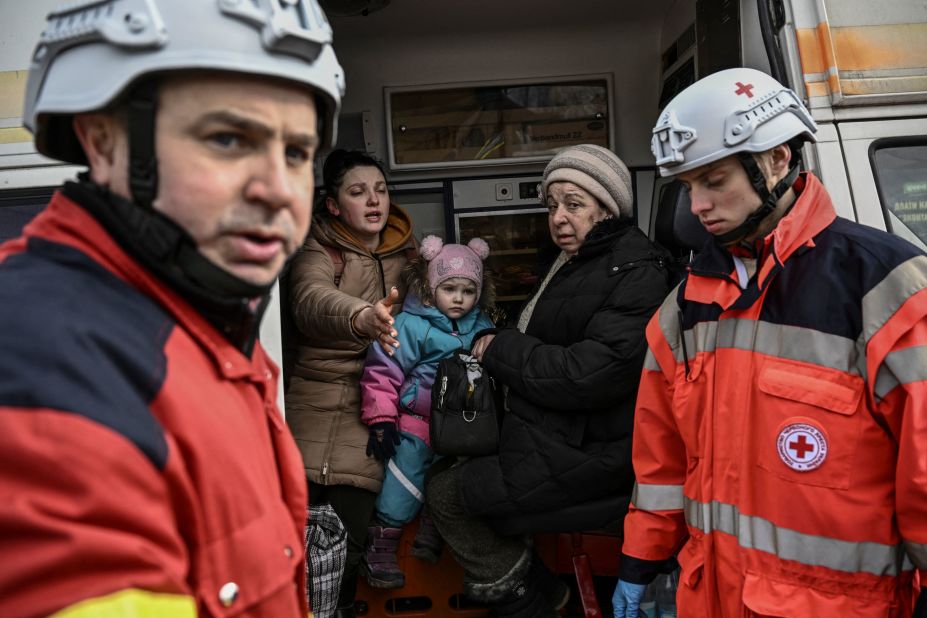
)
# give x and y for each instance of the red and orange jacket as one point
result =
(145, 469)
(781, 428)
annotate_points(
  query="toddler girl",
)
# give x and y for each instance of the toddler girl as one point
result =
(441, 314)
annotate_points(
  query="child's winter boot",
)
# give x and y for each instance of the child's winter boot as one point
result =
(380, 562)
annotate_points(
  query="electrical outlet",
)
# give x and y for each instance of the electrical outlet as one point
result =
(504, 191)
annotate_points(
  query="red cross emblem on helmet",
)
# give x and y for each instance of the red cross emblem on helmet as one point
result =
(746, 89)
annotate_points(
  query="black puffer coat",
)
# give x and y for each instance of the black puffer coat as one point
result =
(572, 380)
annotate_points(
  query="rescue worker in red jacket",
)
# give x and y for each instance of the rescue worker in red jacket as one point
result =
(780, 439)
(145, 468)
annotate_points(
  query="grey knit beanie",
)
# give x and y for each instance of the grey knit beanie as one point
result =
(597, 170)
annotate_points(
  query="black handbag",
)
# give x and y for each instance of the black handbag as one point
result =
(465, 408)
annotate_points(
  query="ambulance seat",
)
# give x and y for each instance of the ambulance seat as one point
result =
(675, 227)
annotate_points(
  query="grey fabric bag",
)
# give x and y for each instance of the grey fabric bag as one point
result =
(326, 549)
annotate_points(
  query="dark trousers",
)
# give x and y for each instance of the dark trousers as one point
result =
(354, 507)
(488, 558)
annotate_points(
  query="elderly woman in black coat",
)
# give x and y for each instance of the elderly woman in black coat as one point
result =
(570, 371)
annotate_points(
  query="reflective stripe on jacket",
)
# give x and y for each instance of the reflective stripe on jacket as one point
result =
(781, 429)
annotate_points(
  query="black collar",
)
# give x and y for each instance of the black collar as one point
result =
(602, 236)
(230, 304)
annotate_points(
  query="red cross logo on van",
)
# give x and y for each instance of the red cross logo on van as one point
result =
(746, 89)
(802, 446)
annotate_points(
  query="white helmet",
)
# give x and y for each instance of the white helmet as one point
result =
(729, 112)
(93, 51)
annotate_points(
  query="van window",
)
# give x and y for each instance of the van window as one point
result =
(900, 168)
(18, 207)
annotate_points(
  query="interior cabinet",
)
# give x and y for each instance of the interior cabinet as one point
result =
(487, 124)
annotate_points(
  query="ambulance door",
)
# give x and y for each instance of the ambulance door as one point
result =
(886, 164)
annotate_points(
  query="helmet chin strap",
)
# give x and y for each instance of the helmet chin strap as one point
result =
(768, 198)
(143, 165)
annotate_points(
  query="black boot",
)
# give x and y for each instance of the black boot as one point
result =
(427, 544)
(525, 600)
(554, 589)
(520, 592)
(347, 594)
(358, 608)
(535, 595)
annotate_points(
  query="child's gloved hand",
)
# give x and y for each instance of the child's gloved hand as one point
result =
(384, 437)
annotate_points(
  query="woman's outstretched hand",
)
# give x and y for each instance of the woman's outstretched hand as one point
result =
(376, 322)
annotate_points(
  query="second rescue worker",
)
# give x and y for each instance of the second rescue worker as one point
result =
(780, 440)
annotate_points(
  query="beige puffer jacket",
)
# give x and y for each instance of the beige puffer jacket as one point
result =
(323, 399)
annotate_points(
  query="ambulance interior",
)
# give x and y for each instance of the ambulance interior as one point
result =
(465, 102)
(477, 85)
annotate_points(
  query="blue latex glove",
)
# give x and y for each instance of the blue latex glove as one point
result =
(627, 599)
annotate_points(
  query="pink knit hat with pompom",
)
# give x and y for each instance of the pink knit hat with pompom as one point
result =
(449, 261)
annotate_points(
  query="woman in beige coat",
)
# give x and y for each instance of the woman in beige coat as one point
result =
(344, 288)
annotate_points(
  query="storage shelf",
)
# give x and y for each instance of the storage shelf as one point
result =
(491, 123)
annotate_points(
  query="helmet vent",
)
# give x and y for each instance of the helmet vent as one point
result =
(129, 23)
(740, 125)
(93, 51)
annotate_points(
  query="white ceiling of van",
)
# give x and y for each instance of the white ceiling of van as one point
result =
(412, 17)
